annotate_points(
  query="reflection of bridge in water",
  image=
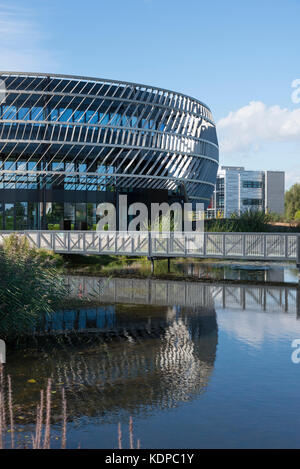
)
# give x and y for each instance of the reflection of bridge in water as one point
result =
(123, 358)
(137, 357)
(189, 294)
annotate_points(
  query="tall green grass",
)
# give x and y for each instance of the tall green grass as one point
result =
(30, 286)
(250, 221)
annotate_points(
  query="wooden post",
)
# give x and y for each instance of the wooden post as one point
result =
(169, 264)
(152, 265)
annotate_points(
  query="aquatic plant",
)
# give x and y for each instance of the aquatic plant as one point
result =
(30, 285)
(41, 435)
(249, 221)
(40, 439)
(18, 246)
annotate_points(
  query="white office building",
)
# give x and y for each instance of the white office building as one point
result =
(238, 190)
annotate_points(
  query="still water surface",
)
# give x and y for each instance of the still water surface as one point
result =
(204, 366)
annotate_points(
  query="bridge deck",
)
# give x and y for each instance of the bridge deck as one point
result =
(254, 246)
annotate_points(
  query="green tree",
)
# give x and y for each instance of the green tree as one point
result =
(297, 215)
(292, 201)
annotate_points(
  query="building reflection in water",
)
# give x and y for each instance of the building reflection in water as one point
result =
(139, 359)
(151, 344)
(116, 359)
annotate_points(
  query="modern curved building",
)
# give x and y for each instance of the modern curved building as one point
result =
(68, 143)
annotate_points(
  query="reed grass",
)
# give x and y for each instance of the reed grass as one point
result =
(30, 286)
(41, 436)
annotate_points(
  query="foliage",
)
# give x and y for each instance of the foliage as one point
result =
(276, 217)
(292, 201)
(30, 285)
(249, 221)
(163, 222)
(297, 215)
(15, 246)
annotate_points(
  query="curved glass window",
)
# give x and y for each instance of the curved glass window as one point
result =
(9, 112)
(79, 116)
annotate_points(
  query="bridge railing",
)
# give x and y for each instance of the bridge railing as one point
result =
(264, 246)
(192, 294)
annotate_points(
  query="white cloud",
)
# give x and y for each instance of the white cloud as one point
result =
(292, 176)
(21, 46)
(255, 328)
(248, 127)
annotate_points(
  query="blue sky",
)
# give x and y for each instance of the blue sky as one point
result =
(239, 57)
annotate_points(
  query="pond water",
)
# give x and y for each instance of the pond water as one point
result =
(231, 270)
(202, 366)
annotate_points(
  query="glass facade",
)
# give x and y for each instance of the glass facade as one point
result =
(219, 194)
(252, 184)
(26, 216)
(67, 143)
(66, 181)
(9, 216)
(252, 202)
(19, 216)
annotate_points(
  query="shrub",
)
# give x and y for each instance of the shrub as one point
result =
(30, 286)
(249, 221)
(297, 215)
(18, 246)
(276, 217)
(292, 201)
